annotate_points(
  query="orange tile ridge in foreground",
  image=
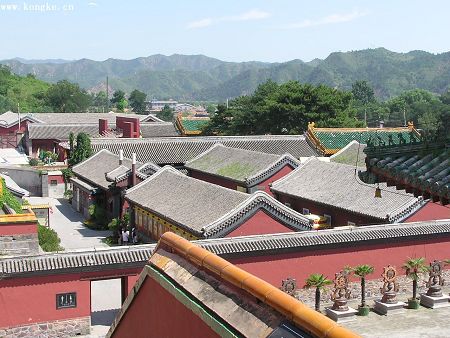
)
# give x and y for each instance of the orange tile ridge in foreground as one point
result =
(294, 310)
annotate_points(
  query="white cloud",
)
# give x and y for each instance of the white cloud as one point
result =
(93, 4)
(254, 14)
(328, 20)
(200, 23)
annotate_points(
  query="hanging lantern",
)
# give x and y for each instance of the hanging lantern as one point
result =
(378, 191)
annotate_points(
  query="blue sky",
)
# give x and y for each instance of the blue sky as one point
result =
(270, 30)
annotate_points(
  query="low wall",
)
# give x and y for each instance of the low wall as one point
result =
(26, 178)
(18, 235)
(57, 328)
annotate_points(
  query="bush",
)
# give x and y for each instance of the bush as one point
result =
(9, 199)
(48, 239)
(68, 194)
(33, 162)
(114, 225)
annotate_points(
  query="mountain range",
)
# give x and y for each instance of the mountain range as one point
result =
(198, 77)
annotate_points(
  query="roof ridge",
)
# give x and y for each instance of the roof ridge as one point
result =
(289, 307)
(286, 157)
(293, 172)
(92, 157)
(204, 153)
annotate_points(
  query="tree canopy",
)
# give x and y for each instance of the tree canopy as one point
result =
(66, 97)
(166, 114)
(82, 150)
(137, 101)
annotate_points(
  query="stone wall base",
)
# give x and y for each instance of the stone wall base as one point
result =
(26, 244)
(53, 329)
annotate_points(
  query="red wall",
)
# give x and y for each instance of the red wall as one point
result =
(121, 122)
(18, 229)
(233, 185)
(58, 178)
(274, 267)
(430, 211)
(338, 217)
(281, 173)
(259, 224)
(14, 129)
(33, 300)
(213, 179)
(47, 145)
(156, 311)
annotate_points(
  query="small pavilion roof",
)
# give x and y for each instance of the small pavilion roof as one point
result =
(243, 166)
(338, 185)
(205, 209)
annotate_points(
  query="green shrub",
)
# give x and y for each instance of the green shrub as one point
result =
(33, 162)
(68, 194)
(7, 197)
(48, 239)
(114, 225)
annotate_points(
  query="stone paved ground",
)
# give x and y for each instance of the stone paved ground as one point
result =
(413, 323)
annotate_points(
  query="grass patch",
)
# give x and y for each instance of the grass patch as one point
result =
(236, 170)
(48, 239)
(110, 241)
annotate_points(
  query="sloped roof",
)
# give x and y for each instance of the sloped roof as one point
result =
(243, 303)
(203, 208)
(59, 131)
(190, 125)
(94, 168)
(330, 140)
(175, 150)
(240, 165)
(158, 129)
(337, 185)
(414, 166)
(10, 118)
(85, 118)
(352, 152)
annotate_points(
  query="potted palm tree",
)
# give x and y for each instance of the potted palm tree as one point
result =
(414, 267)
(319, 282)
(362, 271)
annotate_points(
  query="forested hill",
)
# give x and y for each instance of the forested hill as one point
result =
(198, 77)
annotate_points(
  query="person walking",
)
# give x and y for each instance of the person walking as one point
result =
(125, 236)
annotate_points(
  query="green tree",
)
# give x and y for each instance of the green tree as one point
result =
(166, 114)
(362, 271)
(137, 100)
(65, 96)
(414, 267)
(363, 92)
(319, 282)
(118, 96)
(82, 149)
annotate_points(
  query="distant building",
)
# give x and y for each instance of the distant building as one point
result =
(158, 105)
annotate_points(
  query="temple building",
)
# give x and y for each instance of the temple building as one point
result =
(181, 281)
(240, 169)
(329, 141)
(172, 201)
(335, 191)
(102, 179)
(190, 125)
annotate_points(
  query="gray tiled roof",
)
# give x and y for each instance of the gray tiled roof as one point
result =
(351, 153)
(240, 165)
(92, 260)
(84, 118)
(203, 208)
(305, 239)
(336, 185)
(9, 118)
(165, 129)
(176, 150)
(60, 132)
(94, 168)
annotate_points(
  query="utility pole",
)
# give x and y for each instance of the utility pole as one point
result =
(107, 95)
(18, 113)
(404, 116)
